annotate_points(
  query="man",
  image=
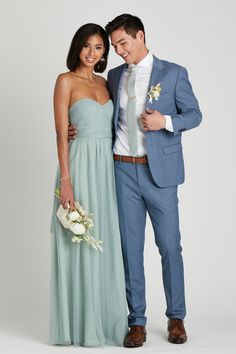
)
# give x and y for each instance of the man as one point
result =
(154, 103)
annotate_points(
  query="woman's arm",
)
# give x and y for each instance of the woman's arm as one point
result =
(62, 93)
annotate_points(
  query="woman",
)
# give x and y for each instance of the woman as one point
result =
(88, 304)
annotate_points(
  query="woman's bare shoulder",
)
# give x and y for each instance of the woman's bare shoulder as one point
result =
(64, 78)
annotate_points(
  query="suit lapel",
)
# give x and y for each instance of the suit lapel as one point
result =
(116, 91)
(156, 77)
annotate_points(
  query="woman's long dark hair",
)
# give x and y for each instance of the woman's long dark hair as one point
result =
(78, 41)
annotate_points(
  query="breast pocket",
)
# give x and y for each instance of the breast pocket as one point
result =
(165, 104)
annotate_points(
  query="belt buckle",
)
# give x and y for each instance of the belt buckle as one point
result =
(133, 157)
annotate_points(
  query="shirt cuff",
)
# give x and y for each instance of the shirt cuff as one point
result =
(169, 125)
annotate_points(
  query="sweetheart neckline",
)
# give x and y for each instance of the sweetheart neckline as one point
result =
(89, 99)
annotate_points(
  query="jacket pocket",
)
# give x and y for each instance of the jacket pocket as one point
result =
(169, 149)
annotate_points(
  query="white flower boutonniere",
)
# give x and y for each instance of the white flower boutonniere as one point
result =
(154, 92)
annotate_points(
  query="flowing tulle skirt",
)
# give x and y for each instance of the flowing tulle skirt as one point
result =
(88, 302)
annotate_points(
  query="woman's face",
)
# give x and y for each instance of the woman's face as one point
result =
(92, 51)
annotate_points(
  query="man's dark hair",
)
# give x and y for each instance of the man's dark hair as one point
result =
(131, 24)
(78, 41)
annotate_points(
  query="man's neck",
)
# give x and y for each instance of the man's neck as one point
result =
(143, 54)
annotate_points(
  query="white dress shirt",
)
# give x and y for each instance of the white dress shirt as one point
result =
(143, 72)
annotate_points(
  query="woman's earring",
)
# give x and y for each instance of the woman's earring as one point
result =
(102, 59)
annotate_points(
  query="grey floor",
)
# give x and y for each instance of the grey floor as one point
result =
(207, 336)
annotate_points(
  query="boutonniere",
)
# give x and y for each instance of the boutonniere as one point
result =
(154, 92)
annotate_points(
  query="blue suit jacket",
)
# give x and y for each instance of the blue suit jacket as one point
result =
(164, 149)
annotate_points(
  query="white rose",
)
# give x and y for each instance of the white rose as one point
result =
(78, 229)
(73, 215)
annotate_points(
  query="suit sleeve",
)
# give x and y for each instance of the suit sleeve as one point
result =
(188, 113)
(109, 83)
(109, 86)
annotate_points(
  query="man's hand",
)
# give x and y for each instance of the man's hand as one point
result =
(152, 120)
(72, 132)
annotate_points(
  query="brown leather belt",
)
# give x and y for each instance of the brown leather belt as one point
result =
(131, 159)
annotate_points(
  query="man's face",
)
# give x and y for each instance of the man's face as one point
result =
(129, 48)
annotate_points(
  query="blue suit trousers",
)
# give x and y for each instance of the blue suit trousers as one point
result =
(137, 194)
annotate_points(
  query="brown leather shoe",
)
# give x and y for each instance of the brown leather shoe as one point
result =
(177, 333)
(136, 337)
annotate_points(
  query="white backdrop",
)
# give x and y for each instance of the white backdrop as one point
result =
(34, 41)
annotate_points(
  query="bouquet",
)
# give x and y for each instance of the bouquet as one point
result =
(78, 221)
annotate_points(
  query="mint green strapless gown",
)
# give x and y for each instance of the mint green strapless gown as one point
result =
(88, 301)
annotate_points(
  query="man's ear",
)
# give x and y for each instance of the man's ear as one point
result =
(140, 35)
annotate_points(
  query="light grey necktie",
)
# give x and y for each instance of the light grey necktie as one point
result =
(131, 112)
